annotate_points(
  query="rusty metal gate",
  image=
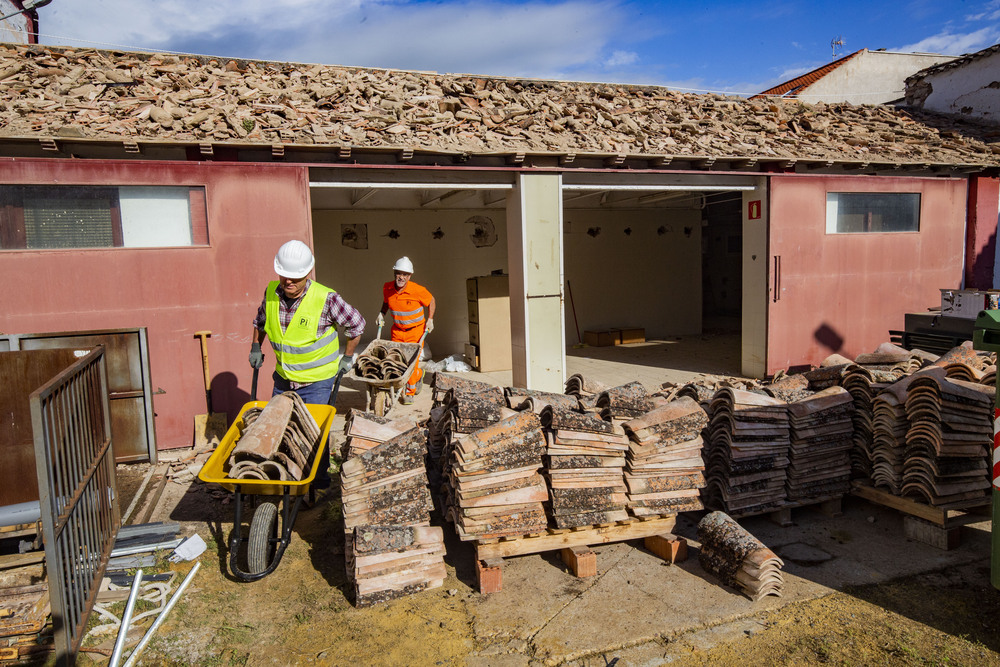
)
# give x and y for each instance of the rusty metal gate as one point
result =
(75, 465)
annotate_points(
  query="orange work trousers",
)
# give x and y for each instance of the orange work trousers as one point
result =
(410, 336)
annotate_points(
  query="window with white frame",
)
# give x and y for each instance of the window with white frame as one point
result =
(872, 212)
(88, 216)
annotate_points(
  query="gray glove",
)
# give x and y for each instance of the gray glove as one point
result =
(347, 363)
(256, 356)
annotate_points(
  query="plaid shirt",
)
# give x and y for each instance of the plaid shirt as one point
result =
(336, 311)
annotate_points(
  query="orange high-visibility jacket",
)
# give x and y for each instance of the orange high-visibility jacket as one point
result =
(407, 308)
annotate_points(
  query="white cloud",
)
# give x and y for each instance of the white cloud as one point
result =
(954, 43)
(991, 12)
(619, 58)
(536, 38)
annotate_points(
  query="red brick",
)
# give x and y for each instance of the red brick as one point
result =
(669, 547)
(490, 576)
(580, 560)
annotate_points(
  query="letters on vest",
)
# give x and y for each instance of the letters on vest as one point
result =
(302, 352)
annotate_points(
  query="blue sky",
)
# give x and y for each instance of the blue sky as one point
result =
(724, 46)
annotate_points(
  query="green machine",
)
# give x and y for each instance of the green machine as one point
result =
(986, 337)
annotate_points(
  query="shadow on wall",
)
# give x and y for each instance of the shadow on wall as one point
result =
(828, 337)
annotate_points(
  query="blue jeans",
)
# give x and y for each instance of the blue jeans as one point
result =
(316, 393)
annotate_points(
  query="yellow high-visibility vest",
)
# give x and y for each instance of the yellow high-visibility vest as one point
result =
(302, 352)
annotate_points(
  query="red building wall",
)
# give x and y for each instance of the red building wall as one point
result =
(252, 210)
(844, 292)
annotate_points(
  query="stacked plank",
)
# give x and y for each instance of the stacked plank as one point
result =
(585, 389)
(747, 453)
(738, 558)
(664, 469)
(624, 402)
(819, 459)
(949, 439)
(278, 443)
(385, 488)
(393, 561)
(495, 481)
(585, 458)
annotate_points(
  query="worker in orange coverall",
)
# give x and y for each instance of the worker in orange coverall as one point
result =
(406, 300)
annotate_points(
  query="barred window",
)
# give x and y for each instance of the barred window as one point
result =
(85, 216)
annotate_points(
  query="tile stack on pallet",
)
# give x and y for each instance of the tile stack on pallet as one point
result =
(738, 558)
(365, 430)
(495, 482)
(819, 456)
(585, 389)
(463, 411)
(440, 422)
(889, 428)
(585, 458)
(949, 439)
(863, 385)
(747, 452)
(664, 469)
(385, 488)
(535, 400)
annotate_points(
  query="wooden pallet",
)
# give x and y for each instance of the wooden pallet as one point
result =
(938, 526)
(782, 514)
(573, 544)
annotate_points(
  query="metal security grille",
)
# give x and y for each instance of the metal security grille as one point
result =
(76, 483)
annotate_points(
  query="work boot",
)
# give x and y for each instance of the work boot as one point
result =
(406, 399)
(420, 385)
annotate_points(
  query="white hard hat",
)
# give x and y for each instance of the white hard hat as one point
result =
(294, 260)
(403, 264)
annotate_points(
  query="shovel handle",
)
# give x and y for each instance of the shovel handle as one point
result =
(203, 335)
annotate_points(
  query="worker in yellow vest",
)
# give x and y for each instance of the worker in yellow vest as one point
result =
(407, 301)
(300, 317)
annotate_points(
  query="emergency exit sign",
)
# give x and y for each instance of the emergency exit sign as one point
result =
(753, 210)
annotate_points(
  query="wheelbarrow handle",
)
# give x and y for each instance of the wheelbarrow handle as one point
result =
(253, 385)
(336, 387)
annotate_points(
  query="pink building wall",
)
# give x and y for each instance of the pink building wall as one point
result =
(844, 292)
(252, 210)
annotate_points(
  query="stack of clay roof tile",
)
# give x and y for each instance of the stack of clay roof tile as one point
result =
(949, 439)
(738, 558)
(819, 461)
(889, 427)
(585, 458)
(624, 402)
(365, 430)
(278, 442)
(495, 482)
(585, 389)
(664, 469)
(391, 561)
(747, 451)
(385, 487)
(463, 409)
(535, 400)
(863, 384)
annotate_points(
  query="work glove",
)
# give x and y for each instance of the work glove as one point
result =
(380, 320)
(430, 326)
(347, 363)
(256, 356)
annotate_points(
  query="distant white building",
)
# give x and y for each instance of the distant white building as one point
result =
(22, 27)
(863, 77)
(968, 86)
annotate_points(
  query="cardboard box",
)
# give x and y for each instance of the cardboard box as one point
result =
(602, 338)
(634, 335)
(472, 355)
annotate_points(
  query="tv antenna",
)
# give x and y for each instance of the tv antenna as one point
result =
(834, 43)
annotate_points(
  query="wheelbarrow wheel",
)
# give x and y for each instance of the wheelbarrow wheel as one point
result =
(382, 403)
(263, 529)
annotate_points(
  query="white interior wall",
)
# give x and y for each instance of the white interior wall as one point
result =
(643, 279)
(440, 265)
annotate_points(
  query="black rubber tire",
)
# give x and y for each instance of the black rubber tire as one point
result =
(381, 403)
(263, 528)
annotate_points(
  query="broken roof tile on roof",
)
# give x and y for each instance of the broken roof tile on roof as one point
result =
(49, 94)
